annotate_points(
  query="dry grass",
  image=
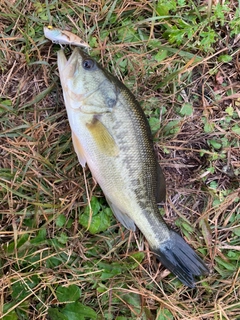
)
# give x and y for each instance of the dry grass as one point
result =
(41, 180)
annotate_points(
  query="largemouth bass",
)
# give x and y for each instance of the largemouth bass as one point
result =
(111, 134)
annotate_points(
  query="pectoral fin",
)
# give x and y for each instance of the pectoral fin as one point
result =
(102, 137)
(127, 222)
(79, 150)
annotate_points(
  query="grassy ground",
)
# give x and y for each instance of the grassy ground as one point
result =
(181, 60)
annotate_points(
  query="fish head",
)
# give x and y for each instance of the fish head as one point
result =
(88, 86)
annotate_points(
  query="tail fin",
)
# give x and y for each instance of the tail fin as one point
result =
(178, 257)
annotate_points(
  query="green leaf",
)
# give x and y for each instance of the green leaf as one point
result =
(227, 265)
(208, 38)
(225, 58)
(164, 314)
(61, 220)
(6, 102)
(229, 110)
(208, 127)
(78, 311)
(186, 110)
(184, 225)
(127, 33)
(110, 270)
(134, 300)
(69, 223)
(236, 231)
(21, 289)
(214, 185)
(22, 310)
(187, 226)
(41, 236)
(63, 238)
(54, 314)
(162, 10)
(211, 169)
(10, 316)
(68, 294)
(100, 218)
(93, 42)
(234, 255)
(154, 124)
(215, 144)
(236, 129)
(172, 127)
(216, 203)
(161, 55)
(164, 6)
(5, 105)
(99, 223)
(95, 205)
(139, 256)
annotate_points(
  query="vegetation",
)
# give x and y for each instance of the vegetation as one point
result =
(181, 60)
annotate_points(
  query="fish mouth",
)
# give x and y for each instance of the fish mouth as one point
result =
(68, 68)
(77, 51)
(76, 57)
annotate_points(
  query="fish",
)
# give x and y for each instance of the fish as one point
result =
(62, 37)
(111, 135)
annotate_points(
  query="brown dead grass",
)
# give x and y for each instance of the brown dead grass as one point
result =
(41, 178)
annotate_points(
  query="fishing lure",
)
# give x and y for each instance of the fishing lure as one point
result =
(62, 37)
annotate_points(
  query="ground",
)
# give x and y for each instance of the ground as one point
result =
(181, 61)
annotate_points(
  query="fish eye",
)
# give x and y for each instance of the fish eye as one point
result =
(88, 64)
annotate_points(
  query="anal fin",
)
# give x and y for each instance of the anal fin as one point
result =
(127, 222)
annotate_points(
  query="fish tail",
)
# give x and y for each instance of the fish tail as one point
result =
(178, 257)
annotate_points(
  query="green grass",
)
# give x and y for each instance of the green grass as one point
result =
(180, 60)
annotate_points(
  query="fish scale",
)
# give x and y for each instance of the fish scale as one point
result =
(112, 135)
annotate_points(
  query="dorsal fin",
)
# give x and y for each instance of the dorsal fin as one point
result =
(161, 185)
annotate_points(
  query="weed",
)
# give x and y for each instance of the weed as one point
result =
(59, 258)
